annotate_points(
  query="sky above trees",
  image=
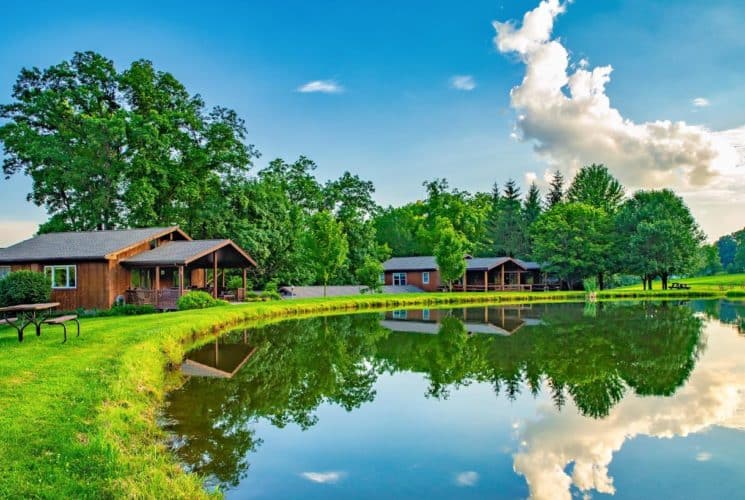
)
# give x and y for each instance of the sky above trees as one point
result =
(398, 93)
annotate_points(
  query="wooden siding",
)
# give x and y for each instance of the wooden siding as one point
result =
(91, 291)
(414, 278)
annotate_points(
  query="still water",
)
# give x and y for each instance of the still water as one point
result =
(630, 400)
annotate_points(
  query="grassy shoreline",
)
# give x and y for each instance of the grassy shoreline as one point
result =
(81, 419)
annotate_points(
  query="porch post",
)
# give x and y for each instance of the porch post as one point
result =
(214, 274)
(180, 280)
(465, 280)
(244, 280)
(486, 281)
(501, 277)
(157, 285)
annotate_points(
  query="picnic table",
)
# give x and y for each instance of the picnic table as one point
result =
(680, 286)
(20, 316)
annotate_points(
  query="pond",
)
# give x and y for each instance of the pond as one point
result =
(550, 401)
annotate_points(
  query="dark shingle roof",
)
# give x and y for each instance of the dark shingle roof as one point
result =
(421, 263)
(429, 263)
(89, 245)
(177, 252)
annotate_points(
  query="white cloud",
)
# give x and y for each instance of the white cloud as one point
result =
(322, 86)
(700, 102)
(329, 477)
(704, 456)
(467, 478)
(463, 82)
(530, 178)
(713, 395)
(568, 116)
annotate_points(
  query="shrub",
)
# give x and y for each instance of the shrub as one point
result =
(252, 297)
(198, 300)
(24, 287)
(129, 310)
(270, 295)
(736, 293)
(235, 282)
(271, 286)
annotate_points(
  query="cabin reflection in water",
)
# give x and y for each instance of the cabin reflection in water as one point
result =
(221, 358)
(477, 320)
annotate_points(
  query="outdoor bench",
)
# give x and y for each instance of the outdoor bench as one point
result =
(61, 320)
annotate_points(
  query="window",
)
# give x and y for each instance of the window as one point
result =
(62, 276)
(425, 278)
(381, 278)
(399, 279)
(400, 314)
(4, 271)
(425, 314)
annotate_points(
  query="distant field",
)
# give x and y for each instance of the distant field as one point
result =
(708, 283)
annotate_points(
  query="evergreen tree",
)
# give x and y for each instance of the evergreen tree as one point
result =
(531, 211)
(507, 228)
(556, 191)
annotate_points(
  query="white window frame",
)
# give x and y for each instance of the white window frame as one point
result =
(425, 314)
(4, 271)
(50, 272)
(400, 314)
(401, 282)
(381, 278)
(425, 277)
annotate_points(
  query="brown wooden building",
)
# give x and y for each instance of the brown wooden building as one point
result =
(94, 270)
(482, 274)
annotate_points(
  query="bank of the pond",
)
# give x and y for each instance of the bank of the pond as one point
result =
(81, 419)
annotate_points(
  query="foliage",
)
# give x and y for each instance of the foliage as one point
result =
(369, 276)
(573, 239)
(24, 287)
(109, 149)
(198, 300)
(270, 295)
(595, 186)
(708, 261)
(507, 228)
(450, 252)
(326, 247)
(727, 246)
(555, 194)
(234, 282)
(659, 235)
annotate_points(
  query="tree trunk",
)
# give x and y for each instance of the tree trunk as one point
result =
(644, 283)
(649, 282)
(601, 283)
(664, 281)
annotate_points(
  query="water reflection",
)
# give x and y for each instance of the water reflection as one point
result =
(612, 372)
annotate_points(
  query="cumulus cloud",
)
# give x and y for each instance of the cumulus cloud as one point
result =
(463, 82)
(565, 112)
(329, 477)
(467, 478)
(322, 86)
(700, 102)
(714, 395)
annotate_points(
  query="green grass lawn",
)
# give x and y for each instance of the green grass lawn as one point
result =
(718, 283)
(79, 420)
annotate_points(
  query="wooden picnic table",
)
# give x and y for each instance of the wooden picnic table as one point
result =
(20, 316)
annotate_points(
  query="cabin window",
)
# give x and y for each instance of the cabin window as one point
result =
(62, 277)
(381, 278)
(425, 314)
(425, 278)
(399, 279)
(4, 271)
(400, 314)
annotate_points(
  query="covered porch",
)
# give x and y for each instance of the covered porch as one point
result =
(162, 275)
(501, 274)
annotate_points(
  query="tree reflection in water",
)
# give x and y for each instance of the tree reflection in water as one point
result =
(647, 348)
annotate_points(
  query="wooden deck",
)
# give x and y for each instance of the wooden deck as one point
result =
(539, 287)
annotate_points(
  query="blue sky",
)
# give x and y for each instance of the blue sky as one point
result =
(398, 120)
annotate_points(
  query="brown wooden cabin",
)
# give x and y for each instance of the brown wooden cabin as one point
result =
(482, 274)
(488, 320)
(155, 266)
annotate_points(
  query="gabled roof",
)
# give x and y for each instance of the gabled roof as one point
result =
(421, 263)
(87, 245)
(429, 263)
(183, 253)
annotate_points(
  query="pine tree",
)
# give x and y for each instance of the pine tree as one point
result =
(531, 211)
(508, 229)
(556, 192)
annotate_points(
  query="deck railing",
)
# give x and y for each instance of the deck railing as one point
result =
(491, 287)
(167, 298)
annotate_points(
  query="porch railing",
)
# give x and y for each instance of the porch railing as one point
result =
(167, 298)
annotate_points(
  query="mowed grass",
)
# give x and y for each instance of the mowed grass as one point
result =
(720, 283)
(79, 420)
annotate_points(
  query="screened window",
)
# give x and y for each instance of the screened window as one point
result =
(62, 276)
(399, 279)
(400, 314)
(425, 314)
(4, 271)
(425, 278)
(381, 278)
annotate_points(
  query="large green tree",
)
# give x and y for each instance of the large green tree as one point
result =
(450, 252)
(507, 226)
(573, 239)
(595, 186)
(326, 247)
(106, 149)
(660, 236)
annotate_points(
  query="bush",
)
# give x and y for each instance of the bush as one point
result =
(24, 287)
(198, 300)
(252, 297)
(270, 295)
(271, 287)
(235, 282)
(736, 293)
